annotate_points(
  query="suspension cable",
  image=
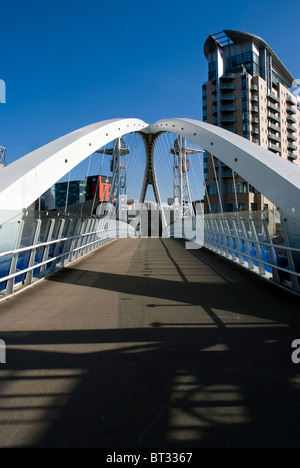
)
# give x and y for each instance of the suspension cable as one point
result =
(67, 195)
(217, 181)
(99, 174)
(235, 192)
(205, 186)
(86, 180)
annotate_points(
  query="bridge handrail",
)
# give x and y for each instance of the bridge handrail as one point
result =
(253, 241)
(45, 244)
(216, 241)
(52, 259)
(74, 247)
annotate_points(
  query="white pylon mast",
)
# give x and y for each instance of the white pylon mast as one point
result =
(182, 205)
(117, 204)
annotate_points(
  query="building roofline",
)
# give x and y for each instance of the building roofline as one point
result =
(239, 36)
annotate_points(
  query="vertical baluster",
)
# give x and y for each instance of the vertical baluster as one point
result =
(34, 240)
(245, 235)
(271, 252)
(59, 236)
(294, 279)
(50, 228)
(261, 266)
(237, 240)
(13, 266)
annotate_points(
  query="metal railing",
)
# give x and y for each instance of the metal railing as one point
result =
(258, 244)
(54, 242)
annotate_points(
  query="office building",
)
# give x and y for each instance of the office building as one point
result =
(248, 93)
(70, 193)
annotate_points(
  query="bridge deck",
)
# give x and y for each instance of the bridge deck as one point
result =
(142, 344)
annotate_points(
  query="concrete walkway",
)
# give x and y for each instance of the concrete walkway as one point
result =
(143, 344)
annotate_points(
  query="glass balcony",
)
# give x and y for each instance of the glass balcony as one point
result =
(291, 100)
(229, 108)
(292, 156)
(227, 97)
(273, 107)
(291, 137)
(255, 109)
(227, 86)
(273, 97)
(274, 117)
(228, 76)
(254, 98)
(228, 118)
(255, 140)
(255, 120)
(273, 137)
(255, 131)
(275, 148)
(291, 128)
(231, 128)
(290, 118)
(291, 146)
(274, 127)
(291, 110)
(254, 87)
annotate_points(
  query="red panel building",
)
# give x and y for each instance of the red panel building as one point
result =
(99, 187)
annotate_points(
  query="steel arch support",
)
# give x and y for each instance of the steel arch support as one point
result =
(25, 180)
(275, 177)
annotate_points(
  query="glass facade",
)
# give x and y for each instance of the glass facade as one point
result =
(250, 60)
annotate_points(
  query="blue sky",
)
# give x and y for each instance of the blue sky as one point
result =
(67, 64)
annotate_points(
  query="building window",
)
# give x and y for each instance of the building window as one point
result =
(212, 190)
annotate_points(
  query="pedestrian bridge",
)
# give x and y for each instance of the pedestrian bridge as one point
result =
(128, 330)
(165, 156)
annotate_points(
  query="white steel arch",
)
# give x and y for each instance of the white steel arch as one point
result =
(277, 178)
(25, 180)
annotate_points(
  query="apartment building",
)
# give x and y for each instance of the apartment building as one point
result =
(248, 93)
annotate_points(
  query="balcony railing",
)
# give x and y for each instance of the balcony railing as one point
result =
(227, 86)
(291, 128)
(291, 110)
(274, 137)
(273, 97)
(291, 100)
(274, 148)
(254, 109)
(228, 118)
(227, 97)
(228, 76)
(229, 108)
(291, 146)
(274, 117)
(274, 127)
(273, 107)
(290, 118)
(292, 156)
(290, 136)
